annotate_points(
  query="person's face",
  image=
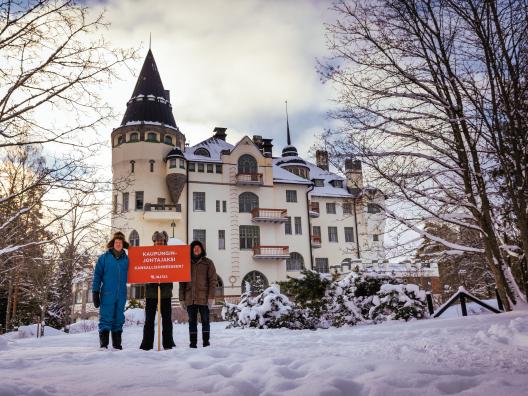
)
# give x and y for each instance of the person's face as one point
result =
(158, 242)
(197, 250)
(118, 245)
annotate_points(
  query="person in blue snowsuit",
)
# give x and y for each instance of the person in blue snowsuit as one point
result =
(110, 291)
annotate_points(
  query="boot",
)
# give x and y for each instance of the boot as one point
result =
(168, 343)
(116, 339)
(205, 338)
(194, 340)
(104, 338)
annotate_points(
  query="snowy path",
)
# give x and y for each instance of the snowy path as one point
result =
(479, 355)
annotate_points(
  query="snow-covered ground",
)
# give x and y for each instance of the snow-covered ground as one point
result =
(478, 355)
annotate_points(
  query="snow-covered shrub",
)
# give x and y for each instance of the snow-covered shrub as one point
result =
(83, 326)
(340, 303)
(399, 302)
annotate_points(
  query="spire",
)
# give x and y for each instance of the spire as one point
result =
(150, 102)
(287, 126)
(289, 150)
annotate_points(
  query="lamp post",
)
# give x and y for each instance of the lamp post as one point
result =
(173, 224)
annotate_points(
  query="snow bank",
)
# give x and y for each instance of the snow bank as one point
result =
(135, 317)
(30, 331)
(83, 326)
(3, 344)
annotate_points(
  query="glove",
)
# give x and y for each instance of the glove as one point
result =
(210, 303)
(96, 299)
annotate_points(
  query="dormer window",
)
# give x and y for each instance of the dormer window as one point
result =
(202, 151)
(134, 137)
(337, 183)
(318, 182)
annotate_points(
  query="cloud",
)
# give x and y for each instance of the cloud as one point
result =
(230, 63)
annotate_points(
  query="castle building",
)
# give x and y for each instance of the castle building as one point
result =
(261, 218)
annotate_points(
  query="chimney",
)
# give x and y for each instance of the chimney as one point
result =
(167, 95)
(321, 159)
(354, 173)
(267, 147)
(220, 133)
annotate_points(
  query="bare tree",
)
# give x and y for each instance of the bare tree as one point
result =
(408, 73)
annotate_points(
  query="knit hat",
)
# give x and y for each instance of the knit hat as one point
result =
(117, 235)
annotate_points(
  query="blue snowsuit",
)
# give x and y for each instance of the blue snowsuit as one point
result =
(110, 279)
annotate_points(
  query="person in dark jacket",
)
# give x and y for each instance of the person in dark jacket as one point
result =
(110, 291)
(198, 294)
(151, 303)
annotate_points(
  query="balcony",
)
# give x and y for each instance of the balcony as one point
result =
(316, 241)
(271, 252)
(269, 215)
(313, 209)
(156, 212)
(249, 178)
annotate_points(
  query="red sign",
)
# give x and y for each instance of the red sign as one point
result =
(153, 264)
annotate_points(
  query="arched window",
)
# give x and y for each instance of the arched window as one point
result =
(151, 137)
(257, 282)
(295, 262)
(120, 139)
(247, 201)
(134, 137)
(168, 139)
(219, 287)
(203, 152)
(134, 238)
(247, 164)
(132, 166)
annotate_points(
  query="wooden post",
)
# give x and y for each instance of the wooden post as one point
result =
(429, 299)
(499, 301)
(463, 304)
(159, 317)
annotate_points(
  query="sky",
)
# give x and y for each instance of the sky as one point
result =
(229, 63)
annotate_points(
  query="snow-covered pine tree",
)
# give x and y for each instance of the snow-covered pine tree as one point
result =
(340, 303)
(395, 302)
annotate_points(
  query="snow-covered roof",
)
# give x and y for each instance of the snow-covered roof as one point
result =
(214, 145)
(283, 176)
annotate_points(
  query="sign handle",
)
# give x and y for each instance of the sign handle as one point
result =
(159, 317)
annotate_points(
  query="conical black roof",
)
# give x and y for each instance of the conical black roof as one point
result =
(149, 102)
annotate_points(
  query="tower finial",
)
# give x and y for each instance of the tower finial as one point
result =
(287, 125)
(150, 40)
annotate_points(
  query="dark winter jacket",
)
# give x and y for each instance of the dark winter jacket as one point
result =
(203, 280)
(152, 290)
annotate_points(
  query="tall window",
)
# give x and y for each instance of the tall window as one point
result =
(298, 228)
(218, 205)
(125, 202)
(224, 206)
(219, 287)
(291, 196)
(332, 234)
(151, 137)
(288, 226)
(168, 140)
(132, 166)
(249, 236)
(120, 139)
(200, 167)
(210, 168)
(331, 208)
(221, 239)
(247, 201)
(134, 137)
(316, 231)
(182, 163)
(347, 208)
(247, 164)
(295, 262)
(139, 200)
(218, 168)
(349, 234)
(321, 265)
(134, 238)
(375, 237)
(199, 235)
(198, 201)
(192, 166)
(152, 165)
(114, 205)
(172, 163)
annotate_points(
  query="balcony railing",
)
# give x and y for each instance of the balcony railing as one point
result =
(156, 212)
(316, 241)
(314, 209)
(269, 215)
(271, 252)
(162, 207)
(249, 178)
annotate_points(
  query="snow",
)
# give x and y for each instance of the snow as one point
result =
(213, 145)
(283, 176)
(477, 355)
(31, 331)
(83, 326)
